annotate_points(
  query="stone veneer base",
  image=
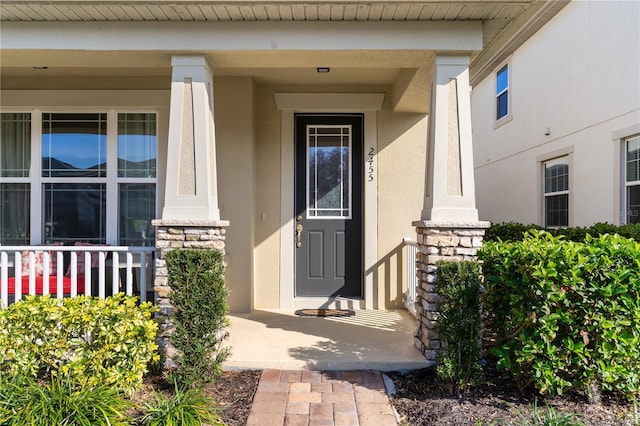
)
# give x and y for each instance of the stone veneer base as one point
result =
(174, 234)
(447, 241)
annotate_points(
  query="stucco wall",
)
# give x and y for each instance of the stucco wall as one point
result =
(266, 267)
(234, 100)
(401, 176)
(578, 76)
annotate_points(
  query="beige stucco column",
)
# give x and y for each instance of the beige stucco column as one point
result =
(449, 229)
(450, 188)
(190, 217)
(191, 181)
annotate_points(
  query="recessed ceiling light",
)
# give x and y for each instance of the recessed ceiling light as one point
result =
(323, 69)
(40, 67)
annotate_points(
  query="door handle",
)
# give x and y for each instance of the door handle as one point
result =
(299, 235)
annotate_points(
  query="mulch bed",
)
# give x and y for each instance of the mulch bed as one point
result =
(234, 392)
(422, 400)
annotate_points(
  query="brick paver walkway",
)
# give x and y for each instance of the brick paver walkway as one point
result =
(310, 398)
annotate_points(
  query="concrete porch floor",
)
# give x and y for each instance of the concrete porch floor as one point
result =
(371, 340)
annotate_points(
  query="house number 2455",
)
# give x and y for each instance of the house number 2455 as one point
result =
(370, 156)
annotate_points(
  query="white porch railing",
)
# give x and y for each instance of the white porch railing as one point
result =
(66, 271)
(410, 274)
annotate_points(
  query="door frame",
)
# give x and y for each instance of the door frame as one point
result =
(289, 104)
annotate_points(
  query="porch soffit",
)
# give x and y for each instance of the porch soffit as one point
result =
(495, 15)
(52, 33)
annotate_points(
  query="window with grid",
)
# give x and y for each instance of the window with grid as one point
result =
(502, 92)
(556, 192)
(95, 185)
(632, 184)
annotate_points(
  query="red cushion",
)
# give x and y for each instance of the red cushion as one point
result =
(53, 285)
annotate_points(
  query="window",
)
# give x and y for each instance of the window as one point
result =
(15, 163)
(94, 186)
(502, 92)
(632, 160)
(556, 192)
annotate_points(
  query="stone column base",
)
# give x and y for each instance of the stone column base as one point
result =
(448, 241)
(175, 234)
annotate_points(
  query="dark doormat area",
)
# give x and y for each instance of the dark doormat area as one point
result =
(325, 312)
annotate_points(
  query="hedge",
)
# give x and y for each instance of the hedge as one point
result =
(199, 296)
(513, 231)
(566, 314)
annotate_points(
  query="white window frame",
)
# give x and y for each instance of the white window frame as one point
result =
(626, 213)
(112, 181)
(508, 117)
(542, 160)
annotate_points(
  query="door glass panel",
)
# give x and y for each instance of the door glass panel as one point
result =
(329, 171)
(74, 145)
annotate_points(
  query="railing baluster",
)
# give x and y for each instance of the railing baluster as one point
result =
(115, 274)
(4, 279)
(17, 272)
(129, 273)
(59, 270)
(74, 274)
(32, 273)
(143, 276)
(46, 266)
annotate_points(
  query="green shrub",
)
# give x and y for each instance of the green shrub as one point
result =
(199, 295)
(459, 324)
(89, 340)
(566, 314)
(512, 231)
(24, 401)
(508, 231)
(190, 407)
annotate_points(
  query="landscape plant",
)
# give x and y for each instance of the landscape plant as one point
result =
(459, 324)
(547, 416)
(199, 296)
(513, 231)
(28, 401)
(186, 407)
(84, 340)
(566, 314)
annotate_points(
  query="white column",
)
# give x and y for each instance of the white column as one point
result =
(191, 185)
(450, 187)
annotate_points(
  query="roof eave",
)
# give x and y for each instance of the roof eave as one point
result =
(512, 37)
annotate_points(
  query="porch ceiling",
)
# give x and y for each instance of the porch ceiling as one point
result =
(266, 10)
(504, 24)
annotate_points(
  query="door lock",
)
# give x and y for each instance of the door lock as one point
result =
(299, 217)
(299, 235)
